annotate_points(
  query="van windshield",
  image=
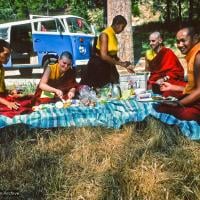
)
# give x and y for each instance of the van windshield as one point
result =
(78, 25)
(4, 33)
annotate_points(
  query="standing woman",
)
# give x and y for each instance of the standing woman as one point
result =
(101, 68)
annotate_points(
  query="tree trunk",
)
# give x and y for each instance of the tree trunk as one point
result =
(105, 13)
(168, 17)
(196, 12)
(179, 12)
(191, 5)
(125, 39)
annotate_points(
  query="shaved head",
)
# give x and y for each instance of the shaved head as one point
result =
(155, 41)
(155, 34)
(186, 38)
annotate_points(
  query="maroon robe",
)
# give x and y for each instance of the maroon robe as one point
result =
(164, 64)
(64, 83)
(24, 108)
(191, 111)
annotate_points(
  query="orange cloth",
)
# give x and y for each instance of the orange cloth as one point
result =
(192, 111)
(112, 41)
(190, 57)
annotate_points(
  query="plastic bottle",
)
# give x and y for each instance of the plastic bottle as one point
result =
(131, 87)
(116, 91)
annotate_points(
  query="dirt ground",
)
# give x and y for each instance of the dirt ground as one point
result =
(13, 77)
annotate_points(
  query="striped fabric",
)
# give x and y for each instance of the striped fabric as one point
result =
(112, 115)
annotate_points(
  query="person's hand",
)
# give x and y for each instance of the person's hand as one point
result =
(165, 86)
(130, 69)
(160, 81)
(71, 93)
(124, 64)
(172, 103)
(15, 93)
(59, 93)
(13, 105)
(127, 63)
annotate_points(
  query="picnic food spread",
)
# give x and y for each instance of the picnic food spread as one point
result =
(90, 97)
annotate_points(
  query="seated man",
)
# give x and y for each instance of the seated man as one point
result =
(163, 65)
(10, 105)
(188, 107)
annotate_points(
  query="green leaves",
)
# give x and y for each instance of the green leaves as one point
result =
(20, 9)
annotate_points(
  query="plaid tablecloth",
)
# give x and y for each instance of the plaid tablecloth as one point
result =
(112, 115)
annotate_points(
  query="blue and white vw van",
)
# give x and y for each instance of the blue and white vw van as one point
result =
(41, 39)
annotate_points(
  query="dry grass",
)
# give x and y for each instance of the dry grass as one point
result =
(141, 161)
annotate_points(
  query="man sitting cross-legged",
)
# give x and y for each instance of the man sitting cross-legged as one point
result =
(188, 107)
(163, 65)
(10, 104)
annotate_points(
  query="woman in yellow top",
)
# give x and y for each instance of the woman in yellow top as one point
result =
(101, 68)
(58, 81)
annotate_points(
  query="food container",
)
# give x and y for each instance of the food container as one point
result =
(116, 91)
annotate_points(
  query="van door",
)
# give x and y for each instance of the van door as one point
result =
(48, 39)
(21, 43)
(81, 38)
(19, 35)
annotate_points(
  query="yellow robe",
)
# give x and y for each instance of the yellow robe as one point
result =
(112, 41)
(2, 81)
(150, 54)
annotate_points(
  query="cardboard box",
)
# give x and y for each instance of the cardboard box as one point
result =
(138, 80)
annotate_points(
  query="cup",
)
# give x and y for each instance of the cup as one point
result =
(139, 91)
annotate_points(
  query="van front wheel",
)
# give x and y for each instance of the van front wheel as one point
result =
(26, 72)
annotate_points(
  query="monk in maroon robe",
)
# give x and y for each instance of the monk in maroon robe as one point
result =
(59, 80)
(163, 65)
(188, 107)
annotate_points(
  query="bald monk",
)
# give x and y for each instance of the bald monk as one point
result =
(188, 107)
(163, 65)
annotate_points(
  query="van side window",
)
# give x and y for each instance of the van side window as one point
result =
(4, 33)
(78, 25)
(48, 26)
(43, 28)
(60, 27)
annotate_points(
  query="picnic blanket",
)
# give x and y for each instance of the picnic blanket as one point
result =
(112, 114)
